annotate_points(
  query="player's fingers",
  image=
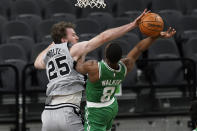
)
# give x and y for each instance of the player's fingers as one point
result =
(148, 12)
(162, 33)
(168, 31)
(173, 31)
(144, 12)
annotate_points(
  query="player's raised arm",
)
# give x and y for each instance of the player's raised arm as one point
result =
(83, 48)
(143, 45)
(39, 63)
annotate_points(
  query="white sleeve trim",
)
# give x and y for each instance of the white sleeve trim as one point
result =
(99, 66)
(124, 67)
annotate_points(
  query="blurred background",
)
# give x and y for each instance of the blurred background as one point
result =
(156, 95)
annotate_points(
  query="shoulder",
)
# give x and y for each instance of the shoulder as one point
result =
(79, 44)
(78, 49)
(126, 61)
(129, 63)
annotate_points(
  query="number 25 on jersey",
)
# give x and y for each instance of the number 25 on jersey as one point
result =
(58, 67)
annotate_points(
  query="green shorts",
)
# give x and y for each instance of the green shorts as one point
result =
(100, 119)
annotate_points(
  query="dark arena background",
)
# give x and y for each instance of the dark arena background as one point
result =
(156, 96)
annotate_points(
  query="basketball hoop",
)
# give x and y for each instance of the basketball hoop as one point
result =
(91, 3)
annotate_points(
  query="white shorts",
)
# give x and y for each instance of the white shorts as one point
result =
(62, 117)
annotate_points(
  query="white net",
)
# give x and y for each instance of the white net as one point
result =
(91, 3)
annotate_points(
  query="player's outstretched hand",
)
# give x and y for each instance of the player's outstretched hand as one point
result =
(138, 19)
(169, 33)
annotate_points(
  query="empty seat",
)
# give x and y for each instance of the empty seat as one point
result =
(168, 72)
(169, 18)
(194, 12)
(130, 38)
(16, 28)
(8, 89)
(59, 6)
(128, 5)
(163, 47)
(3, 21)
(166, 4)
(87, 26)
(5, 6)
(25, 7)
(8, 74)
(3, 11)
(86, 36)
(44, 29)
(64, 17)
(11, 51)
(190, 48)
(131, 14)
(37, 48)
(190, 5)
(25, 42)
(104, 19)
(41, 4)
(30, 19)
(119, 21)
(187, 23)
(187, 35)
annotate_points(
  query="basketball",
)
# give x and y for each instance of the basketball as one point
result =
(151, 24)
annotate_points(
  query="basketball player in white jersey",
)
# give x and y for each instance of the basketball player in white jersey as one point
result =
(64, 90)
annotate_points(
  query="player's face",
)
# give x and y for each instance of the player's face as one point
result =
(72, 36)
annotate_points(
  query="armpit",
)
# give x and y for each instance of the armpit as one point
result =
(128, 62)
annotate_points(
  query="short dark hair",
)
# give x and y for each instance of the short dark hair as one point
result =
(113, 52)
(58, 31)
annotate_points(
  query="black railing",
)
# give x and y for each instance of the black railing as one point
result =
(16, 92)
(25, 92)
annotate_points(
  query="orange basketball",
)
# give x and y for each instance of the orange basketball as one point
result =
(151, 24)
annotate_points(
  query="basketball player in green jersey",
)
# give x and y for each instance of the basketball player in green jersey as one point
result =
(103, 79)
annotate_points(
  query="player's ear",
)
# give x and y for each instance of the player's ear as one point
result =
(63, 40)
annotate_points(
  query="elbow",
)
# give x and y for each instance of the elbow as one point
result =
(38, 65)
(104, 37)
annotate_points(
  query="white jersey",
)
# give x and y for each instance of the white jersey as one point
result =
(63, 79)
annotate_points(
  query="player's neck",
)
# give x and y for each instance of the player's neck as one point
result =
(113, 66)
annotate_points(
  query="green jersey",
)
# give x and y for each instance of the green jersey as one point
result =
(109, 80)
